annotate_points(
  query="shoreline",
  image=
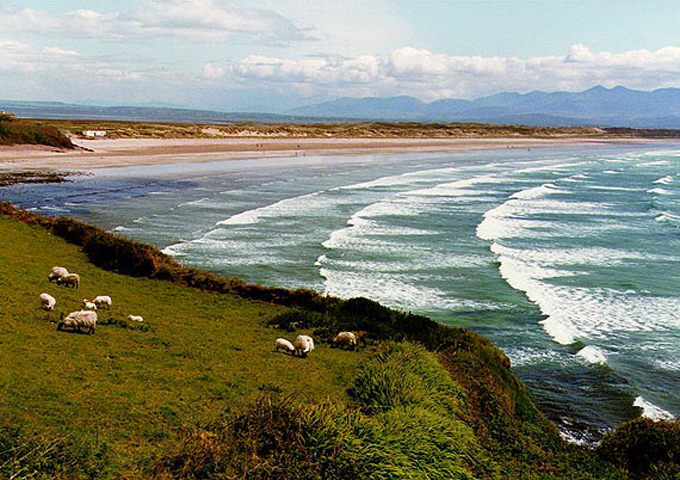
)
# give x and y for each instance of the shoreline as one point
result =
(108, 153)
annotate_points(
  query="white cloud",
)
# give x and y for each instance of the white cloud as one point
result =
(430, 75)
(212, 72)
(51, 73)
(206, 20)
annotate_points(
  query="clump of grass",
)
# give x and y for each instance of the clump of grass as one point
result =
(645, 449)
(407, 437)
(30, 455)
(297, 318)
(403, 375)
(125, 324)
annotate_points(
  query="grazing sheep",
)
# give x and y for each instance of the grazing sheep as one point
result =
(303, 345)
(135, 318)
(57, 273)
(48, 301)
(88, 305)
(101, 300)
(72, 279)
(282, 343)
(80, 319)
(345, 338)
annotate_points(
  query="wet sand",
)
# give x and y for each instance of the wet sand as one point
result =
(106, 153)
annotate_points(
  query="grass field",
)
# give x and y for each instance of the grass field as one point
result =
(135, 388)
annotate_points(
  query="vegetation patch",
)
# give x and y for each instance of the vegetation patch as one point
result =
(18, 132)
(395, 427)
(294, 130)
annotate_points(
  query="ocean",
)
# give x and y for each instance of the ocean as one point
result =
(566, 258)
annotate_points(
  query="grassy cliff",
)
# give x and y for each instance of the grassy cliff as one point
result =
(19, 132)
(196, 391)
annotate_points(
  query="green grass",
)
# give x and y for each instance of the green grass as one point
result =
(130, 388)
(197, 392)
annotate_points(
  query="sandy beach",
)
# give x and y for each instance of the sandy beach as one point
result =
(105, 153)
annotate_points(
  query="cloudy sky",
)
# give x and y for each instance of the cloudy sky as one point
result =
(271, 55)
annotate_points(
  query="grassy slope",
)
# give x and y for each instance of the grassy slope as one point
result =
(18, 132)
(178, 396)
(130, 388)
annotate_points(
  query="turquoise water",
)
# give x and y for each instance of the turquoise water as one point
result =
(566, 258)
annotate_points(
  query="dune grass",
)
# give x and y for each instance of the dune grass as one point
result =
(133, 389)
(294, 130)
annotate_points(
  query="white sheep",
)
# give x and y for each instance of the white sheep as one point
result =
(48, 301)
(72, 279)
(57, 273)
(101, 300)
(345, 338)
(282, 343)
(135, 318)
(88, 305)
(80, 319)
(303, 345)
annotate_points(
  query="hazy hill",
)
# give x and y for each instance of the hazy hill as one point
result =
(618, 106)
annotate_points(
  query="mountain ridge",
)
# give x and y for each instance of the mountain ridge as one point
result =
(617, 107)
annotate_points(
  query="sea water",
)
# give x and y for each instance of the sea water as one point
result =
(568, 259)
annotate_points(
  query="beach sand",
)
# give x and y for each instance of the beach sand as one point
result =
(105, 153)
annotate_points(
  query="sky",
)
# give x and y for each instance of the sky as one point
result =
(274, 55)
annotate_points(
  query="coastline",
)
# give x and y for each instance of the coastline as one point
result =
(107, 153)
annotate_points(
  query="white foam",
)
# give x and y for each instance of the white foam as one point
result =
(576, 312)
(612, 189)
(667, 217)
(569, 437)
(402, 291)
(659, 191)
(664, 180)
(524, 356)
(667, 364)
(535, 192)
(458, 187)
(656, 163)
(587, 256)
(288, 206)
(649, 410)
(514, 218)
(592, 354)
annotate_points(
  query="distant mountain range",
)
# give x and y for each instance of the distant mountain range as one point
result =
(598, 106)
(145, 113)
(610, 107)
